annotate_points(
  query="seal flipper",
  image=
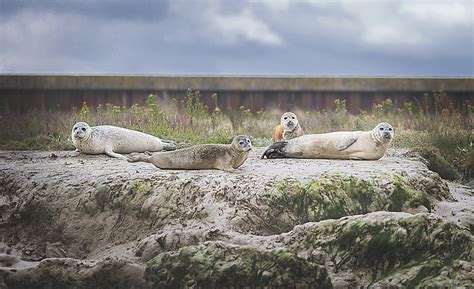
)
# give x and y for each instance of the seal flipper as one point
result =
(168, 145)
(113, 154)
(276, 150)
(346, 142)
(139, 157)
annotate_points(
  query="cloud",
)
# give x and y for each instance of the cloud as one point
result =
(243, 26)
(104, 9)
(446, 13)
(390, 35)
(218, 24)
(418, 37)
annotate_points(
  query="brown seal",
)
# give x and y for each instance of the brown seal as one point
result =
(199, 157)
(288, 128)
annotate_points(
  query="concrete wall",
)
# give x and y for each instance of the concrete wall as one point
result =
(45, 92)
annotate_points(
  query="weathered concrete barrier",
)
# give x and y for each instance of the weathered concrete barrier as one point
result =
(45, 92)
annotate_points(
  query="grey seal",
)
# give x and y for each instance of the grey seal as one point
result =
(113, 140)
(360, 145)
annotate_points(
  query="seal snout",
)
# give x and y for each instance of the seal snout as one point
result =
(384, 132)
(291, 125)
(79, 132)
(247, 146)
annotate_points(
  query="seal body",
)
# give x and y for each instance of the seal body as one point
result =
(198, 157)
(112, 140)
(288, 128)
(364, 145)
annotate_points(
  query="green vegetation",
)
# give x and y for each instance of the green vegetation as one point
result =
(331, 197)
(382, 249)
(390, 247)
(379, 250)
(447, 132)
(437, 163)
(219, 265)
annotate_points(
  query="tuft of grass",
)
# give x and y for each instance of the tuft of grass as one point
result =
(437, 163)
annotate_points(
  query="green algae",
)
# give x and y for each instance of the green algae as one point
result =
(413, 249)
(335, 196)
(398, 197)
(219, 265)
(379, 249)
(142, 186)
(428, 269)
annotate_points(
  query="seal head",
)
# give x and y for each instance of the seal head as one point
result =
(242, 143)
(81, 131)
(383, 133)
(289, 121)
(289, 128)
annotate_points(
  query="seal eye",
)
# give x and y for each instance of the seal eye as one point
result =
(390, 129)
(293, 117)
(285, 117)
(381, 128)
(241, 142)
(75, 128)
(83, 129)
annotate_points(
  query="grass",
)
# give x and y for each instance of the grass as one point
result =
(447, 132)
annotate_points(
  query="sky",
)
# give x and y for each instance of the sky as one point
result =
(224, 37)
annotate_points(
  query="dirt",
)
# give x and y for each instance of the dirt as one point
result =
(80, 221)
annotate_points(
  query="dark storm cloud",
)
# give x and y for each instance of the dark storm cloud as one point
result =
(425, 38)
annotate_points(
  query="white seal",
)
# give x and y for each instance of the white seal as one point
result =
(363, 145)
(113, 140)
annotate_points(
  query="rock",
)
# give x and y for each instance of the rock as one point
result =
(55, 250)
(290, 203)
(76, 274)
(388, 248)
(326, 221)
(219, 265)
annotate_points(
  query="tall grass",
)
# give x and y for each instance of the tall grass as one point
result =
(447, 132)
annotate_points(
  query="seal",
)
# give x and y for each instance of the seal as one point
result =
(199, 157)
(113, 140)
(288, 128)
(358, 145)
